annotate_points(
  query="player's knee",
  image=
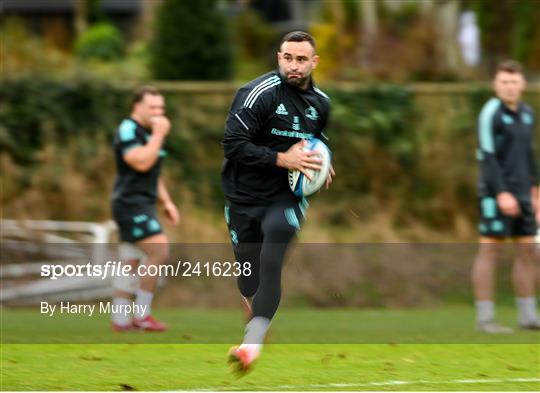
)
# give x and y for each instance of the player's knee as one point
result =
(130, 252)
(162, 253)
(489, 252)
(158, 254)
(156, 247)
(248, 286)
(127, 283)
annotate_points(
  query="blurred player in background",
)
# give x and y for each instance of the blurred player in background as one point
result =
(268, 122)
(138, 148)
(508, 196)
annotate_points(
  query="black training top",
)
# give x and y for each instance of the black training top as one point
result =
(506, 150)
(267, 116)
(133, 190)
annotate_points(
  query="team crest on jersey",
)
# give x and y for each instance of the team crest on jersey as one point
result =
(281, 110)
(507, 119)
(526, 118)
(311, 113)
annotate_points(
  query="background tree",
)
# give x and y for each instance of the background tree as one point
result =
(512, 29)
(191, 41)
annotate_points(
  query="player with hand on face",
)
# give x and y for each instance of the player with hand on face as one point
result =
(138, 148)
(268, 124)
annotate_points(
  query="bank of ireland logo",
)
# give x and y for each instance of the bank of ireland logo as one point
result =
(296, 123)
(281, 110)
(311, 113)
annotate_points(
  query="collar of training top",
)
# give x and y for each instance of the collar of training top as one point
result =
(520, 108)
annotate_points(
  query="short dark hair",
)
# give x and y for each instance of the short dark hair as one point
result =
(297, 36)
(510, 66)
(140, 92)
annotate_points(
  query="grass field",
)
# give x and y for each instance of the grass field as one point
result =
(439, 362)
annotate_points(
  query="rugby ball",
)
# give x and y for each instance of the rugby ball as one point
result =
(300, 185)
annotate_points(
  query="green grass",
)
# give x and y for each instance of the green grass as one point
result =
(282, 367)
(399, 364)
(290, 326)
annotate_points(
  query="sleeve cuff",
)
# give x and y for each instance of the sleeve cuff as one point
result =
(272, 158)
(129, 147)
(499, 189)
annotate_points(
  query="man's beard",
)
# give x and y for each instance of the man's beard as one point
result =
(297, 82)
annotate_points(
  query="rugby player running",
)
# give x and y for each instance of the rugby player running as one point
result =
(268, 124)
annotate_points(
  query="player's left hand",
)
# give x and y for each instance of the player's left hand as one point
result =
(331, 175)
(171, 213)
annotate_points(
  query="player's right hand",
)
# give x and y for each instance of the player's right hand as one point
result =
(298, 159)
(160, 125)
(508, 204)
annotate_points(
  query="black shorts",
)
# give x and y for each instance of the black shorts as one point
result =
(247, 223)
(136, 225)
(495, 224)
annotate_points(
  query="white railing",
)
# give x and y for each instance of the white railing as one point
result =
(40, 289)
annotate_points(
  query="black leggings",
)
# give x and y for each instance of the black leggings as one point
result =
(261, 235)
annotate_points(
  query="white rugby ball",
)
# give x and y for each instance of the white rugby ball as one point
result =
(300, 185)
